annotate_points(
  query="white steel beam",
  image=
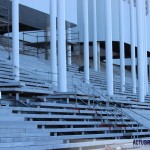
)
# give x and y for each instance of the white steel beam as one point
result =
(94, 36)
(15, 38)
(140, 43)
(53, 46)
(133, 60)
(122, 59)
(109, 55)
(86, 41)
(62, 76)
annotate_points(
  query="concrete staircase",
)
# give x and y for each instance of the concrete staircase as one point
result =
(30, 82)
(61, 121)
(78, 119)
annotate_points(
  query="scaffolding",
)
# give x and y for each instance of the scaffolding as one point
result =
(4, 19)
(5, 26)
(72, 39)
(34, 43)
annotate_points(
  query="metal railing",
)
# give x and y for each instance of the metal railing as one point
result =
(34, 43)
(103, 120)
(5, 43)
(38, 79)
(112, 111)
(118, 107)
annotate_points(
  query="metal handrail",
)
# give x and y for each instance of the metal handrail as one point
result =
(98, 102)
(38, 78)
(122, 113)
(110, 100)
(102, 119)
(139, 114)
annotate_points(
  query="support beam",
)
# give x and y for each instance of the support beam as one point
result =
(133, 60)
(122, 59)
(145, 48)
(139, 4)
(15, 38)
(94, 36)
(86, 41)
(53, 46)
(62, 75)
(109, 55)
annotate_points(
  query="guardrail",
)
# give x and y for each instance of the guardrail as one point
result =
(119, 108)
(37, 78)
(116, 108)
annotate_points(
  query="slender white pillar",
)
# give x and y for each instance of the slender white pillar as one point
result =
(62, 77)
(15, 38)
(86, 40)
(69, 61)
(109, 55)
(139, 4)
(98, 56)
(94, 36)
(133, 60)
(53, 46)
(122, 57)
(145, 47)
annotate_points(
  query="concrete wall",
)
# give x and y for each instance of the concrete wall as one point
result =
(43, 6)
(101, 21)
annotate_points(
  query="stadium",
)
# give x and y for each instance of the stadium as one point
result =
(74, 74)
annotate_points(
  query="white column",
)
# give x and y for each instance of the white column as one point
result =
(86, 40)
(122, 59)
(133, 60)
(98, 56)
(15, 38)
(94, 36)
(62, 77)
(139, 4)
(109, 55)
(145, 47)
(69, 61)
(53, 46)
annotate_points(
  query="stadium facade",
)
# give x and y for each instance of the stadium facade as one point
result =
(64, 59)
(91, 21)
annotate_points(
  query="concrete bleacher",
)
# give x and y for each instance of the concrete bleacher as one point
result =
(44, 119)
(42, 68)
(64, 122)
(32, 81)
